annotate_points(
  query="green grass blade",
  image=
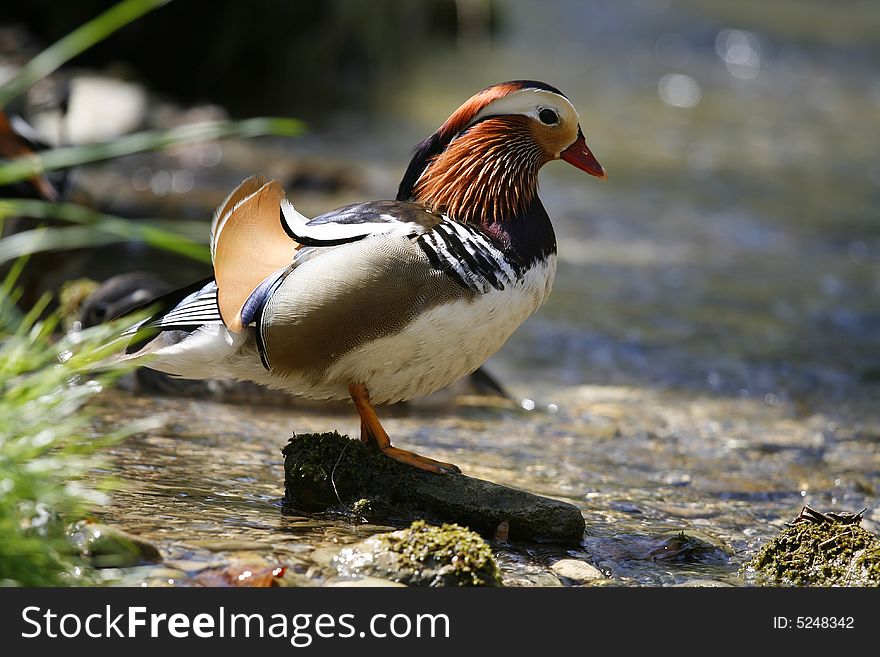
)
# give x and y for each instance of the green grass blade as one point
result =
(97, 229)
(10, 315)
(62, 158)
(52, 239)
(82, 38)
(33, 315)
(50, 456)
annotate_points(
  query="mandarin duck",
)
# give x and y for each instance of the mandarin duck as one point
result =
(385, 300)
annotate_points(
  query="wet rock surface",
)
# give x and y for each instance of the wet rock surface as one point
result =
(328, 470)
(689, 547)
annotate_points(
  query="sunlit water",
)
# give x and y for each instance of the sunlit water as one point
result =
(709, 360)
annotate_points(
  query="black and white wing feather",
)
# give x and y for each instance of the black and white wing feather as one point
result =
(356, 222)
(463, 252)
(468, 255)
(185, 309)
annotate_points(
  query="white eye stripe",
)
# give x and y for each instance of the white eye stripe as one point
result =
(530, 102)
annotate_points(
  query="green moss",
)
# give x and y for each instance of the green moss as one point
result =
(866, 566)
(72, 297)
(423, 555)
(813, 554)
(361, 508)
(460, 557)
(318, 456)
(338, 471)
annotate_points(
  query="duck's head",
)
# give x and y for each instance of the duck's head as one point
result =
(482, 164)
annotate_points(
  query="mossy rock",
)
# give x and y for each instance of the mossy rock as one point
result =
(330, 471)
(108, 547)
(423, 555)
(72, 297)
(818, 554)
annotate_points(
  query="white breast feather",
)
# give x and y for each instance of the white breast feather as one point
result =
(442, 344)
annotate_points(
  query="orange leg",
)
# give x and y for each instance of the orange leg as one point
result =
(373, 433)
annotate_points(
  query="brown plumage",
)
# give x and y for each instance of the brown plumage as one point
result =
(488, 174)
(248, 244)
(462, 117)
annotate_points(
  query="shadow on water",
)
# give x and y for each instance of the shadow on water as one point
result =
(709, 359)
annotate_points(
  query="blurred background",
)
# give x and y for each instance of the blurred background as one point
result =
(713, 336)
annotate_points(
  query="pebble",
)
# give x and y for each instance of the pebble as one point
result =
(576, 571)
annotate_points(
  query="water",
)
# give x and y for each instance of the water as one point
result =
(709, 360)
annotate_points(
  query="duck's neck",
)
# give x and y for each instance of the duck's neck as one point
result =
(528, 239)
(487, 175)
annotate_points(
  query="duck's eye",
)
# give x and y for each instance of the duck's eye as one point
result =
(548, 116)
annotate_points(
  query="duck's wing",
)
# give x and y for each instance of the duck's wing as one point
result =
(463, 252)
(352, 223)
(256, 234)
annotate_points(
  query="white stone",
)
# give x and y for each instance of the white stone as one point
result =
(576, 571)
(101, 108)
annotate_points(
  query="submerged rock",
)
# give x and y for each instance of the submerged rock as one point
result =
(827, 550)
(423, 555)
(678, 547)
(543, 579)
(108, 547)
(327, 470)
(689, 547)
